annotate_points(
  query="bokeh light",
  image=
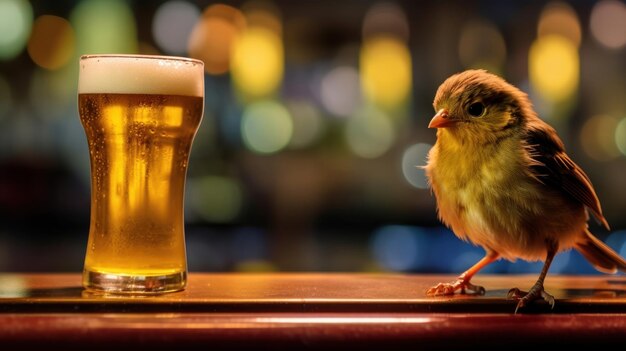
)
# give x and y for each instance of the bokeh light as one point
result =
(16, 17)
(51, 44)
(13, 286)
(597, 138)
(413, 158)
(266, 127)
(213, 36)
(308, 125)
(214, 199)
(340, 91)
(370, 132)
(172, 25)
(263, 14)
(482, 46)
(559, 18)
(554, 67)
(608, 23)
(257, 62)
(620, 136)
(386, 71)
(386, 18)
(104, 26)
(399, 248)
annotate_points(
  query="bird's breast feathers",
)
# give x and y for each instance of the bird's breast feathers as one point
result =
(487, 196)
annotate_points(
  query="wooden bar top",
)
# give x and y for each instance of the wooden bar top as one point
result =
(313, 310)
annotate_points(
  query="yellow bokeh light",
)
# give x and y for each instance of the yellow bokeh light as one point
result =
(559, 18)
(598, 137)
(554, 67)
(620, 136)
(386, 70)
(213, 37)
(51, 42)
(257, 62)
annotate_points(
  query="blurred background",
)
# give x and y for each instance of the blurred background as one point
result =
(316, 117)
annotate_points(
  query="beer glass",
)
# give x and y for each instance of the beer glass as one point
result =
(140, 115)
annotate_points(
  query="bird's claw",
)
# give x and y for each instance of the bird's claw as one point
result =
(516, 293)
(464, 286)
(537, 292)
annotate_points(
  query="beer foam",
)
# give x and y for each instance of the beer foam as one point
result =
(137, 74)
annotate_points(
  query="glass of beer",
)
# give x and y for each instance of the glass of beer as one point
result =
(140, 114)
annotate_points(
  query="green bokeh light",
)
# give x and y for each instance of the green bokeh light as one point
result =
(16, 19)
(370, 133)
(215, 199)
(267, 127)
(104, 27)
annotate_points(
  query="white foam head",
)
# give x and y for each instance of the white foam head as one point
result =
(140, 74)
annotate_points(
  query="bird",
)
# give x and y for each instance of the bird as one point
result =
(502, 180)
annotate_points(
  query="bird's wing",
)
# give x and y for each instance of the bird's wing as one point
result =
(552, 166)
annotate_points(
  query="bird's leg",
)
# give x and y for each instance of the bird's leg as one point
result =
(536, 292)
(463, 281)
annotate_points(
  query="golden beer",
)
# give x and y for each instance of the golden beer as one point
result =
(140, 122)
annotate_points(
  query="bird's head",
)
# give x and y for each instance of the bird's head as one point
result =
(477, 105)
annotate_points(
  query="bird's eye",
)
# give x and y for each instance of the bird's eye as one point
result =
(476, 109)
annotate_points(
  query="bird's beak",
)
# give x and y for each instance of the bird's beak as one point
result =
(441, 120)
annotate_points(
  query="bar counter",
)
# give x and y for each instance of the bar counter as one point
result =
(310, 311)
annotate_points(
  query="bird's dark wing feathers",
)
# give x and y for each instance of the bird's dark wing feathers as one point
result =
(553, 167)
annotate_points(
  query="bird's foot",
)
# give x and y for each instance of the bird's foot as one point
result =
(535, 293)
(460, 284)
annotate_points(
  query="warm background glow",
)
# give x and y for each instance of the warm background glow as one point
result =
(257, 62)
(386, 71)
(51, 44)
(213, 36)
(308, 156)
(554, 67)
(560, 18)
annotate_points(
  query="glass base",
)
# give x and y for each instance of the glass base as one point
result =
(113, 283)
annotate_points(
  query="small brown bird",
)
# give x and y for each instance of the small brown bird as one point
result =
(503, 181)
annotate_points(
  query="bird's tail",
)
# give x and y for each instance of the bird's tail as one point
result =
(599, 254)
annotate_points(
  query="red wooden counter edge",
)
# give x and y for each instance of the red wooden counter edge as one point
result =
(312, 331)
